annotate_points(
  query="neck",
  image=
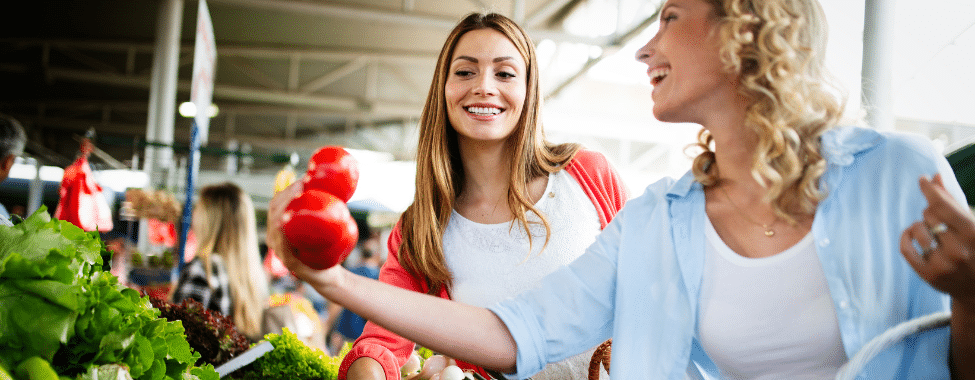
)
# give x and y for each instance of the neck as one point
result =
(734, 146)
(486, 172)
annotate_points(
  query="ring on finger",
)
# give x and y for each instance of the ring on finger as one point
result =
(938, 228)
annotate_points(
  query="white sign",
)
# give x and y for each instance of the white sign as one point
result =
(204, 65)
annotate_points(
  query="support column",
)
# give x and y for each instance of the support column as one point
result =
(878, 60)
(162, 101)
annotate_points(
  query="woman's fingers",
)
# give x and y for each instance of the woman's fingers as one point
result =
(940, 247)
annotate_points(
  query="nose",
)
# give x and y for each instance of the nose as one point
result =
(485, 86)
(647, 51)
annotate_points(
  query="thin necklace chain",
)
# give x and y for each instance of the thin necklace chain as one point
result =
(768, 227)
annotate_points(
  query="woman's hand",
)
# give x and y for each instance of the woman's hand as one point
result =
(275, 240)
(946, 235)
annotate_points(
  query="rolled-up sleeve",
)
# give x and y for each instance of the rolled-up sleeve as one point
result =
(570, 311)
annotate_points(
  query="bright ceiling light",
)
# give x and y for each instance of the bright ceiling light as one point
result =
(188, 109)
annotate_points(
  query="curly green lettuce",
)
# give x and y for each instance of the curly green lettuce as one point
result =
(291, 359)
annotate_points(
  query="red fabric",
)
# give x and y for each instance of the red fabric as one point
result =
(81, 201)
(599, 181)
(161, 233)
(274, 265)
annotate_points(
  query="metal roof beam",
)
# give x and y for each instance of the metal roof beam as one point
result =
(392, 17)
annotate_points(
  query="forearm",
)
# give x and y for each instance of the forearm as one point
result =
(461, 331)
(963, 341)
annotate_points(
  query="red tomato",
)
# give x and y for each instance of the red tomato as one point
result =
(320, 229)
(333, 170)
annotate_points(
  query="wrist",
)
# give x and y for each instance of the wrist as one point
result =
(963, 308)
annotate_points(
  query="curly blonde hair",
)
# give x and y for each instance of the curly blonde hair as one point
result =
(777, 47)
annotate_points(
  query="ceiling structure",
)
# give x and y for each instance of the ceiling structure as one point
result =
(291, 75)
(294, 75)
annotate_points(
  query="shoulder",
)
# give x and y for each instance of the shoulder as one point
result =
(844, 145)
(657, 194)
(589, 159)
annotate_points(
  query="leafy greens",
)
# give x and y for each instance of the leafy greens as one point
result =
(58, 302)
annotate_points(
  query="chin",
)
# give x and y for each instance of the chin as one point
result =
(664, 115)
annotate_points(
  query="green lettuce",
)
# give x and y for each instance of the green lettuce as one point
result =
(58, 302)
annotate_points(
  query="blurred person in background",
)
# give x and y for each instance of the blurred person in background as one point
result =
(227, 274)
(12, 141)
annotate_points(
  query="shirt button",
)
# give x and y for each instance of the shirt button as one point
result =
(844, 305)
(824, 242)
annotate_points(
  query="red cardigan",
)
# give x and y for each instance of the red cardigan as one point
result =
(598, 180)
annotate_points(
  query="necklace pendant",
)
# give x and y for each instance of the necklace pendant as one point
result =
(769, 233)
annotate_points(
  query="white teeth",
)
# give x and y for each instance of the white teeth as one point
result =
(657, 74)
(484, 110)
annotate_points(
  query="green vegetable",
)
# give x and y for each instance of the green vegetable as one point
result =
(291, 359)
(58, 303)
(425, 353)
(35, 368)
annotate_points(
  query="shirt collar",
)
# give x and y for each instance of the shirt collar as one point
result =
(839, 145)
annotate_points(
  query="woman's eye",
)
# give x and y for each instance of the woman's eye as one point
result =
(669, 18)
(463, 73)
(506, 75)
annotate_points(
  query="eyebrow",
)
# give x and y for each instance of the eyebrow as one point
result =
(474, 60)
(665, 8)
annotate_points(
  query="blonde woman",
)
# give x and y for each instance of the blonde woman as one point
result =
(777, 256)
(227, 274)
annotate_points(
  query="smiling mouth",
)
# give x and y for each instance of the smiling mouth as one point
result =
(484, 111)
(658, 74)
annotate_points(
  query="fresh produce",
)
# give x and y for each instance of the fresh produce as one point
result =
(333, 170)
(35, 368)
(452, 372)
(320, 229)
(58, 304)
(412, 365)
(210, 333)
(291, 359)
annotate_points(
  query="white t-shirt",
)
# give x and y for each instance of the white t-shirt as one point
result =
(491, 262)
(768, 318)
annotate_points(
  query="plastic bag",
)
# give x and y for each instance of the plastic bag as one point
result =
(82, 202)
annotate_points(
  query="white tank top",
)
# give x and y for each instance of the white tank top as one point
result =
(768, 318)
(491, 262)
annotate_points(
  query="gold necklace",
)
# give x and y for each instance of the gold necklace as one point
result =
(768, 227)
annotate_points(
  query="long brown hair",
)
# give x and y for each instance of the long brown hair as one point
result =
(440, 174)
(778, 48)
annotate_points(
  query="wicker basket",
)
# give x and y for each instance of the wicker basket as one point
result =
(600, 357)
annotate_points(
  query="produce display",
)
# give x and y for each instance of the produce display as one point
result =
(317, 223)
(60, 309)
(210, 333)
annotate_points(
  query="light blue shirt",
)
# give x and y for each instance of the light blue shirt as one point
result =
(4, 216)
(640, 282)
